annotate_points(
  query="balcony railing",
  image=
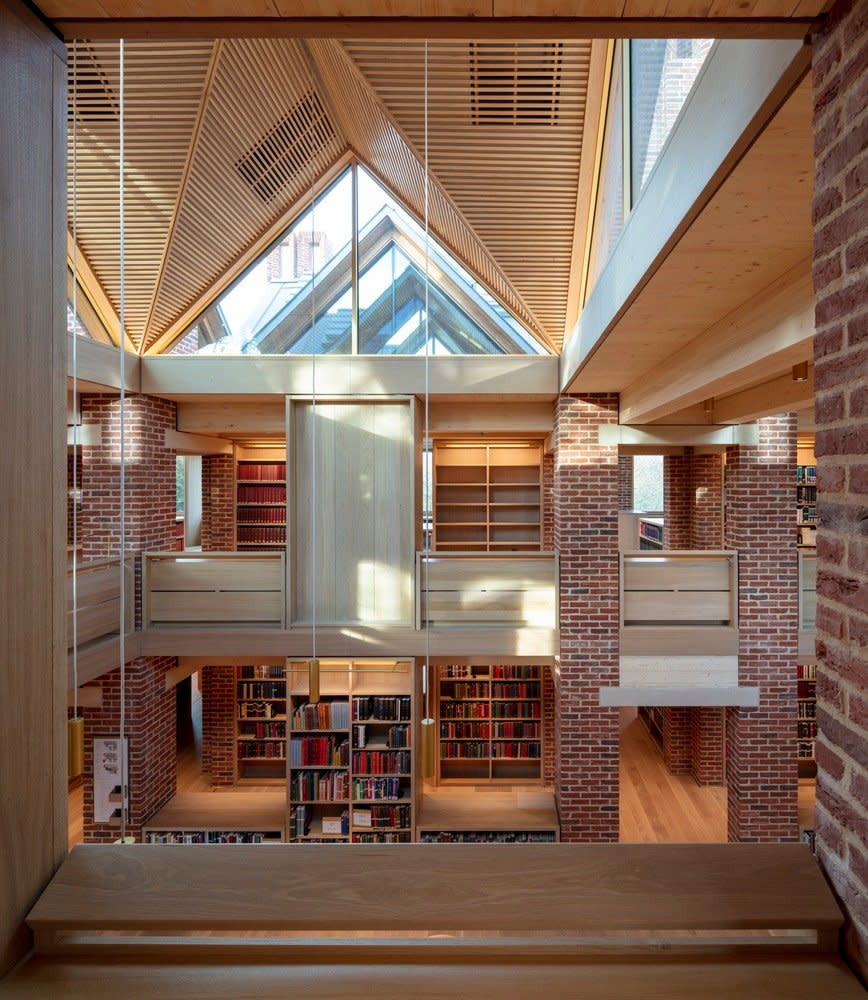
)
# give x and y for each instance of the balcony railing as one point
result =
(98, 596)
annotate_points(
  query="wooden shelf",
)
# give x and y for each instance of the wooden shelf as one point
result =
(487, 497)
(257, 684)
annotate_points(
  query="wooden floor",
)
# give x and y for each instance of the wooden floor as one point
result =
(656, 807)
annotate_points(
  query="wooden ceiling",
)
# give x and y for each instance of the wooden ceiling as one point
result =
(201, 118)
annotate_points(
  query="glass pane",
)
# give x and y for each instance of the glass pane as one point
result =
(662, 73)
(463, 317)
(648, 483)
(296, 298)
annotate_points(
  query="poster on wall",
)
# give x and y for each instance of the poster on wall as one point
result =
(107, 779)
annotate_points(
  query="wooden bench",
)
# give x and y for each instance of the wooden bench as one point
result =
(470, 921)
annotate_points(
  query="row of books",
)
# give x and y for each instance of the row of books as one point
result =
(371, 789)
(263, 730)
(381, 762)
(526, 750)
(262, 534)
(262, 672)
(262, 494)
(807, 710)
(262, 470)
(466, 689)
(383, 816)
(390, 837)
(321, 715)
(807, 729)
(806, 671)
(261, 689)
(465, 730)
(502, 671)
(806, 749)
(309, 786)
(464, 710)
(208, 837)
(254, 515)
(395, 708)
(487, 837)
(261, 749)
(323, 751)
(260, 709)
(515, 690)
(396, 736)
(806, 494)
(807, 689)
(456, 670)
(806, 473)
(806, 515)
(516, 730)
(516, 710)
(467, 750)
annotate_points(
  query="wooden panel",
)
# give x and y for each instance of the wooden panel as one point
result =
(673, 640)
(180, 607)
(94, 583)
(679, 671)
(676, 574)
(486, 573)
(95, 621)
(668, 606)
(359, 544)
(213, 573)
(33, 684)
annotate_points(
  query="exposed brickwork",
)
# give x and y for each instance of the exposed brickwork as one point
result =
(218, 503)
(586, 538)
(187, 345)
(150, 730)
(548, 513)
(218, 724)
(676, 500)
(625, 482)
(676, 740)
(549, 744)
(762, 766)
(706, 492)
(149, 476)
(73, 482)
(707, 746)
(840, 57)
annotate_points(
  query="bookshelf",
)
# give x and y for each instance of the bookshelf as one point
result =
(260, 722)
(227, 818)
(260, 512)
(490, 722)
(806, 695)
(487, 497)
(351, 765)
(806, 492)
(652, 716)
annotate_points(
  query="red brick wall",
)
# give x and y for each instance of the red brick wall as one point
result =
(218, 503)
(841, 386)
(625, 482)
(676, 501)
(218, 724)
(676, 740)
(706, 491)
(150, 730)
(707, 746)
(548, 514)
(761, 742)
(549, 744)
(586, 537)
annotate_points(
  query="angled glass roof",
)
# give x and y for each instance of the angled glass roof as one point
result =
(405, 295)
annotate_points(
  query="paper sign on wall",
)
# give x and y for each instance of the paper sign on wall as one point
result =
(107, 779)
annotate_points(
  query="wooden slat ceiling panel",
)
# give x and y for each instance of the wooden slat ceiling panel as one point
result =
(504, 139)
(398, 160)
(163, 85)
(264, 138)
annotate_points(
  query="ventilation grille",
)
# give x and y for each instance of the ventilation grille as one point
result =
(516, 84)
(287, 151)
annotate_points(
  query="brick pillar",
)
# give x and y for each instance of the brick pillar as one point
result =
(676, 739)
(218, 503)
(706, 492)
(841, 386)
(707, 746)
(150, 731)
(625, 482)
(218, 724)
(586, 538)
(549, 742)
(149, 526)
(762, 765)
(548, 513)
(676, 500)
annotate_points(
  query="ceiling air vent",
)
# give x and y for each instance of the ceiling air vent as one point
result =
(516, 83)
(288, 150)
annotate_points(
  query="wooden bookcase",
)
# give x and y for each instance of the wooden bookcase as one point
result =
(260, 511)
(807, 721)
(487, 497)
(260, 722)
(351, 767)
(490, 723)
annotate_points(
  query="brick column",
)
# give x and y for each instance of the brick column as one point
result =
(676, 500)
(150, 731)
(548, 513)
(586, 538)
(706, 492)
(841, 386)
(549, 727)
(218, 503)
(149, 525)
(625, 482)
(676, 739)
(707, 746)
(218, 724)
(762, 766)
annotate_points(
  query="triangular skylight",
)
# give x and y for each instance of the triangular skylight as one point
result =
(298, 296)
